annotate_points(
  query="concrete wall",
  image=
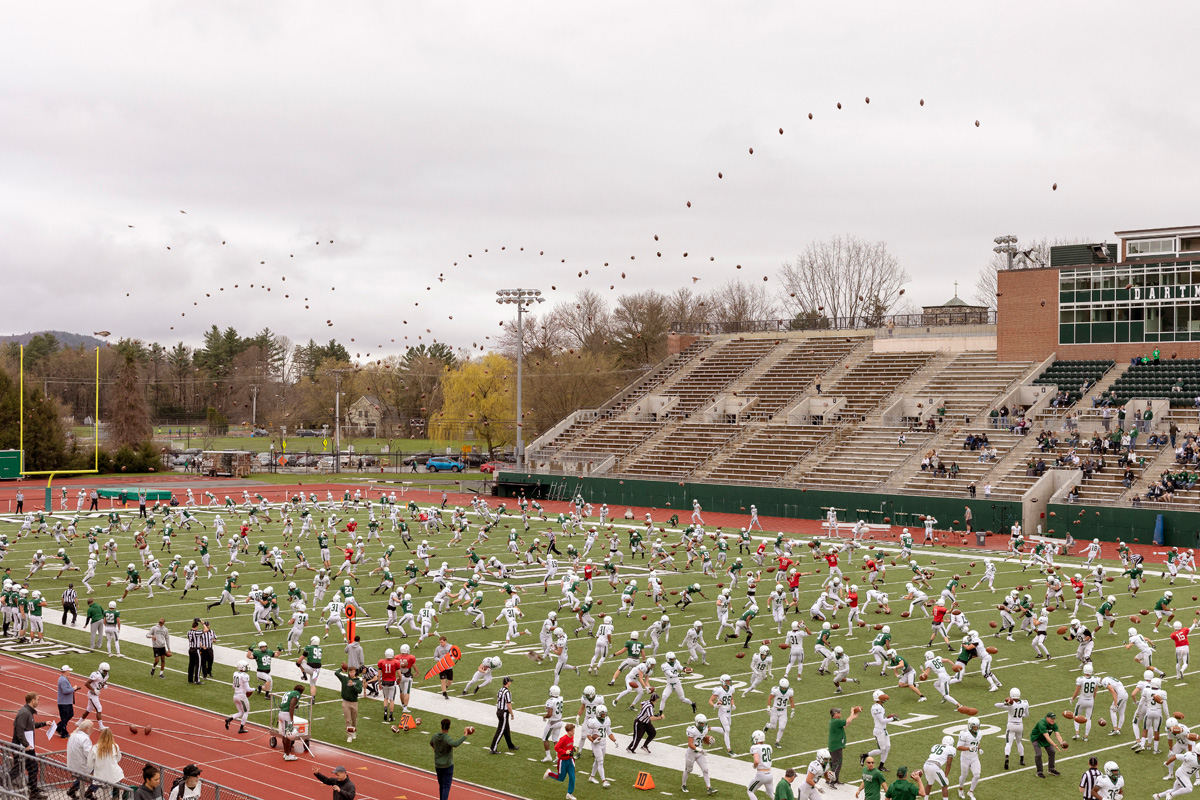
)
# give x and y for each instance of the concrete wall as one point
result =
(953, 339)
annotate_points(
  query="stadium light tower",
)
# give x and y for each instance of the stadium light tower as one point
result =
(522, 299)
(1006, 245)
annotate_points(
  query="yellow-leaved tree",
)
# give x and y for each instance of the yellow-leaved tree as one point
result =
(479, 395)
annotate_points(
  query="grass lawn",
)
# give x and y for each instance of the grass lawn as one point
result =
(1047, 686)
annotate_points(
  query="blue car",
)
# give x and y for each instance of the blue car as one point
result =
(440, 463)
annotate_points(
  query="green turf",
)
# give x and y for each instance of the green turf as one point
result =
(1046, 686)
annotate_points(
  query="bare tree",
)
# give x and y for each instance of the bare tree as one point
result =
(687, 307)
(585, 322)
(640, 324)
(736, 302)
(842, 277)
(542, 334)
(1035, 253)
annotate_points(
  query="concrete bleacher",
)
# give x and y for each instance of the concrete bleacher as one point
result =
(874, 378)
(611, 436)
(971, 469)
(864, 458)
(680, 451)
(656, 377)
(969, 383)
(713, 371)
(767, 453)
(791, 375)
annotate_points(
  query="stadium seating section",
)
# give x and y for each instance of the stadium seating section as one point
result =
(732, 410)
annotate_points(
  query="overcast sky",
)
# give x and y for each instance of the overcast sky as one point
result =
(413, 135)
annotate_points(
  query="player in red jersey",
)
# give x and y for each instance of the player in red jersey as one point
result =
(389, 670)
(1180, 637)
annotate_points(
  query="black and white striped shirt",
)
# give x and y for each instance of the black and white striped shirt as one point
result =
(503, 698)
(195, 639)
(206, 639)
(69, 597)
(1088, 782)
(647, 711)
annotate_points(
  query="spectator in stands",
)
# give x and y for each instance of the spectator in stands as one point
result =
(151, 788)
(971, 489)
(79, 753)
(953, 469)
(189, 788)
(106, 759)
(1148, 414)
(1073, 494)
(1173, 430)
(994, 418)
(340, 780)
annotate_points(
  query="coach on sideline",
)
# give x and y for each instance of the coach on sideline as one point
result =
(504, 715)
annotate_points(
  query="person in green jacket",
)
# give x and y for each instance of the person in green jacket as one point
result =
(783, 789)
(904, 789)
(352, 687)
(443, 756)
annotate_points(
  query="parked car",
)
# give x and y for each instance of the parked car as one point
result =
(307, 461)
(417, 458)
(265, 459)
(304, 433)
(443, 463)
(474, 459)
(495, 466)
(261, 432)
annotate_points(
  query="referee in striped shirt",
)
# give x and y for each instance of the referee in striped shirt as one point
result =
(644, 724)
(1088, 782)
(195, 639)
(504, 714)
(69, 599)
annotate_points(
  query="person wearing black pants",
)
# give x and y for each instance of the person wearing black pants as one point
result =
(207, 653)
(69, 599)
(644, 725)
(195, 641)
(504, 714)
(142, 503)
(20, 501)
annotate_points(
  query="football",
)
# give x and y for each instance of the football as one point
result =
(1080, 720)
(904, 614)
(991, 651)
(644, 617)
(1135, 619)
(1144, 612)
(1110, 578)
(968, 710)
(133, 729)
(1102, 722)
(836, 625)
(470, 730)
(1069, 714)
(1062, 630)
(959, 666)
(1178, 715)
(740, 655)
(1065, 745)
(883, 698)
(148, 730)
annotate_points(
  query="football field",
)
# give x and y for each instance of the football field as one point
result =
(917, 727)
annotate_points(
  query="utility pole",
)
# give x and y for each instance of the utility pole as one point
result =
(253, 408)
(337, 417)
(522, 299)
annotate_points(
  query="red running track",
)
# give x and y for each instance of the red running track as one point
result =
(183, 734)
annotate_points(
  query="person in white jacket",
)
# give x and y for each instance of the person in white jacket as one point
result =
(79, 752)
(106, 759)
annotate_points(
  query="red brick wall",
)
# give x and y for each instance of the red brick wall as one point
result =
(1025, 329)
(678, 342)
(1028, 331)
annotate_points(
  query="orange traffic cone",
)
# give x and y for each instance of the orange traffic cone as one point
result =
(643, 781)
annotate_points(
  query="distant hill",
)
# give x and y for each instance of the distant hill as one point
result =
(65, 338)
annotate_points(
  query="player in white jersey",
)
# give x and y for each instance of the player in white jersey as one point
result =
(299, 621)
(483, 674)
(941, 755)
(241, 696)
(761, 667)
(604, 634)
(795, 642)
(760, 754)
(1184, 778)
(1084, 698)
(1017, 710)
(879, 722)
(818, 769)
(1111, 784)
(334, 611)
(672, 672)
(693, 641)
(781, 706)
(1180, 739)
(1157, 710)
(1145, 648)
(559, 650)
(598, 732)
(723, 703)
(699, 735)
(554, 722)
(936, 665)
(969, 748)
